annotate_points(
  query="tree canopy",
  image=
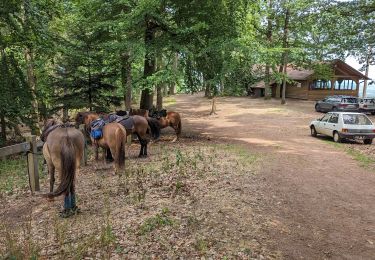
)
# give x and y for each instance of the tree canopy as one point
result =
(92, 54)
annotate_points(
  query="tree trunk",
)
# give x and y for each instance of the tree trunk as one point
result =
(278, 86)
(366, 74)
(172, 87)
(65, 108)
(207, 90)
(159, 87)
(126, 79)
(213, 108)
(3, 129)
(31, 81)
(149, 64)
(285, 45)
(267, 89)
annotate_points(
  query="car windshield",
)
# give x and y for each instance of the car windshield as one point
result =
(349, 100)
(356, 119)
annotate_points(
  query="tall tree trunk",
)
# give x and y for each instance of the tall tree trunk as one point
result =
(172, 87)
(31, 78)
(89, 78)
(149, 64)
(3, 129)
(286, 51)
(65, 108)
(159, 87)
(126, 79)
(207, 90)
(267, 90)
(366, 74)
(31, 81)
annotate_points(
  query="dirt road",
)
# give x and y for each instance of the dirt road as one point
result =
(319, 201)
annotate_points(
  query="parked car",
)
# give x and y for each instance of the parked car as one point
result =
(337, 103)
(367, 105)
(344, 125)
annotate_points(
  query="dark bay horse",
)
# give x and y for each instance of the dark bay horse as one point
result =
(63, 150)
(166, 119)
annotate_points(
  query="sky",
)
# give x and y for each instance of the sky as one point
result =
(354, 63)
(371, 88)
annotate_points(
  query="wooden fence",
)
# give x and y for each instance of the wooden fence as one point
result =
(30, 148)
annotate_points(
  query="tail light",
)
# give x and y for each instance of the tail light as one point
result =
(343, 105)
(373, 130)
(364, 105)
(345, 130)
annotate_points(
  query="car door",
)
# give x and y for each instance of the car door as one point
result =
(332, 124)
(321, 125)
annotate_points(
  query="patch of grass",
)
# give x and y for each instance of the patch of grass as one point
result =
(159, 220)
(201, 245)
(362, 159)
(243, 154)
(169, 101)
(13, 173)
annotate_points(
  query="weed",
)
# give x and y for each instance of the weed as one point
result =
(201, 245)
(158, 221)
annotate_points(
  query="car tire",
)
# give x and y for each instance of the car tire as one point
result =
(336, 137)
(317, 108)
(313, 131)
(367, 141)
(334, 109)
(372, 113)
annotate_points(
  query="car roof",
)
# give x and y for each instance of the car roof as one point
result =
(344, 96)
(350, 113)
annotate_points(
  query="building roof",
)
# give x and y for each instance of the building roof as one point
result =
(297, 74)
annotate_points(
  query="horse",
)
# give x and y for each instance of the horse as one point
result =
(172, 119)
(63, 150)
(138, 112)
(114, 140)
(137, 125)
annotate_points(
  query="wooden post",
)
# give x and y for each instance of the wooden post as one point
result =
(84, 157)
(32, 164)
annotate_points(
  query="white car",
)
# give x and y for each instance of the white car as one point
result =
(344, 125)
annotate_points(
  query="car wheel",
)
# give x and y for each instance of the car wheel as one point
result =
(313, 131)
(317, 108)
(336, 137)
(372, 113)
(334, 109)
(367, 141)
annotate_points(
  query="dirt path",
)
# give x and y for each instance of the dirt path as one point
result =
(319, 200)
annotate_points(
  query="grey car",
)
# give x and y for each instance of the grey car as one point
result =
(338, 103)
(367, 105)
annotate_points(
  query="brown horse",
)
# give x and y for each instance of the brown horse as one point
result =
(166, 119)
(62, 150)
(113, 139)
(139, 126)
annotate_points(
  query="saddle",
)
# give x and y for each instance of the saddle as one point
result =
(97, 128)
(125, 121)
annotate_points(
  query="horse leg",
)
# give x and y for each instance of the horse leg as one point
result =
(142, 144)
(51, 170)
(116, 159)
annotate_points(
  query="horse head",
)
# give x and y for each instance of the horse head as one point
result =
(50, 123)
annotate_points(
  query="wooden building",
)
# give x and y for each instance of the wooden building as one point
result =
(305, 86)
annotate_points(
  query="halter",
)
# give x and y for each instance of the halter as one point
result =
(45, 133)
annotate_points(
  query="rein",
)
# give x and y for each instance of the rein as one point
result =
(45, 133)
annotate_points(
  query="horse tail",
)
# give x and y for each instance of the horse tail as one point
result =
(120, 145)
(68, 168)
(154, 127)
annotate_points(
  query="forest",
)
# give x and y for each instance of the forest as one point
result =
(62, 56)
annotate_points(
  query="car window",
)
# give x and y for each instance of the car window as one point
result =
(349, 100)
(334, 119)
(325, 118)
(356, 119)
